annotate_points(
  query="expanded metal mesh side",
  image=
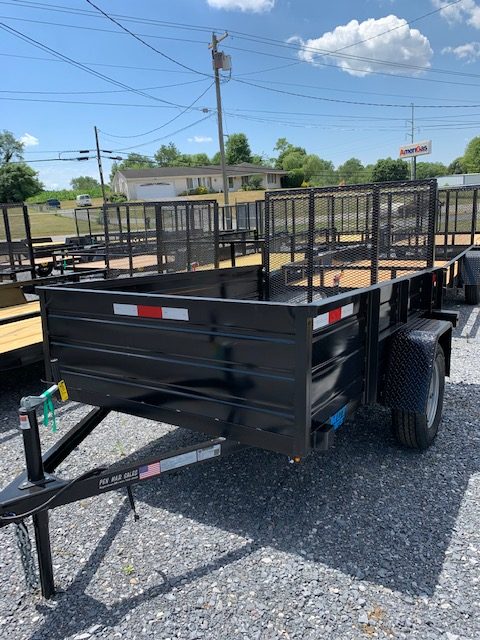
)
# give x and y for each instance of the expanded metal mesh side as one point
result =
(321, 242)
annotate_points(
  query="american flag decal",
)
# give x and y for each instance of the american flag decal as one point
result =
(149, 470)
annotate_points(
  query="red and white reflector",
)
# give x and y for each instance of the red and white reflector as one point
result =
(325, 319)
(147, 311)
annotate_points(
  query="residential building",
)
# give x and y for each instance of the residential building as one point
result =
(163, 183)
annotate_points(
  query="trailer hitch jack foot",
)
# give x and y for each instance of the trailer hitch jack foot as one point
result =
(131, 500)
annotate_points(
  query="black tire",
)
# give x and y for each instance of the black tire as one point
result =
(472, 294)
(418, 430)
(44, 270)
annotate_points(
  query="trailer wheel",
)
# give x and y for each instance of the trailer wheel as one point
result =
(472, 294)
(44, 270)
(418, 430)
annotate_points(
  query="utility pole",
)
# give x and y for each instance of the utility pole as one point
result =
(413, 168)
(100, 168)
(218, 63)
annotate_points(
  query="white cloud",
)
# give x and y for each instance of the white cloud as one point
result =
(253, 6)
(470, 51)
(200, 139)
(466, 11)
(28, 140)
(402, 45)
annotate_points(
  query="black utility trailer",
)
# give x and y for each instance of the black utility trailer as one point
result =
(247, 357)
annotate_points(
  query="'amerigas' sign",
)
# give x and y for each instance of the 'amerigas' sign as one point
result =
(416, 149)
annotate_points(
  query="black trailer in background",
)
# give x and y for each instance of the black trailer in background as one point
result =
(347, 312)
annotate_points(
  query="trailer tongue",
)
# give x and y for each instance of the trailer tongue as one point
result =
(276, 357)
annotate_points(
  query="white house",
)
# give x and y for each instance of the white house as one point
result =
(169, 182)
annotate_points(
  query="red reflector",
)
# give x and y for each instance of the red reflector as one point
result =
(335, 315)
(434, 278)
(149, 312)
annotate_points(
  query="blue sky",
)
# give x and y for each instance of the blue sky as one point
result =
(354, 102)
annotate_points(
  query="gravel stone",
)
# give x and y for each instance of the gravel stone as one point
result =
(252, 547)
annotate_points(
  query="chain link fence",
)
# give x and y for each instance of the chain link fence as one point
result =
(323, 241)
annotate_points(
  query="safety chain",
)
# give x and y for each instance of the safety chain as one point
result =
(25, 546)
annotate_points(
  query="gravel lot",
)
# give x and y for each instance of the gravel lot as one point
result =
(368, 540)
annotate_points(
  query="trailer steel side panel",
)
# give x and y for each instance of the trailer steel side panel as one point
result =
(227, 369)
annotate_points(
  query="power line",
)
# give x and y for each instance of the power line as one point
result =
(362, 70)
(260, 39)
(406, 24)
(173, 133)
(164, 55)
(71, 61)
(145, 133)
(98, 64)
(102, 104)
(74, 93)
(355, 102)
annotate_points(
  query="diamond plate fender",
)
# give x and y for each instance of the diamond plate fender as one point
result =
(471, 267)
(410, 363)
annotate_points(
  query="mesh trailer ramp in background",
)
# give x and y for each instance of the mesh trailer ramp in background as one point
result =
(234, 355)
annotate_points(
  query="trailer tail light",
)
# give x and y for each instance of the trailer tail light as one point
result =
(434, 278)
(148, 311)
(325, 319)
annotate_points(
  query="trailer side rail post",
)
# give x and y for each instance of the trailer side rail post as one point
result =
(28, 233)
(266, 247)
(89, 225)
(76, 222)
(216, 234)
(8, 237)
(159, 234)
(303, 381)
(447, 211)
(474, 217)
(371, 346)
(432, 216)
(375, 230)
(107, 236)
(310, 243)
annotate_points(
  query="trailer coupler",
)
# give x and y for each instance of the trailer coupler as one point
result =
(37, 490)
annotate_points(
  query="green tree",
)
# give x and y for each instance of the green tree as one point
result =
(253, 184)
(352, 172)
(293, 179)
(237, 149)
(10, 147)
(388, 170)
(293, 160)
(167, 155)
(18, 182)
(430, 170)
(84, 183)
(260, 160)
(284, 149)
(318, 171)
(471, 158)
(132, 161)
(456, 166)
(216, 158)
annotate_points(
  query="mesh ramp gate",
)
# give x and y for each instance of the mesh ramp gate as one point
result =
(323, 241)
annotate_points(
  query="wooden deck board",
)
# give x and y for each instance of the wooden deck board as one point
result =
(19, 310)
(23, 333)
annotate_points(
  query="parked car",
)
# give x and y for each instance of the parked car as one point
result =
(84, 200)
(54, 203)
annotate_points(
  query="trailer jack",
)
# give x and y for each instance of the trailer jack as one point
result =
(37, 490)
